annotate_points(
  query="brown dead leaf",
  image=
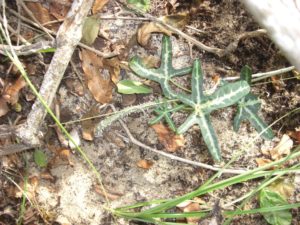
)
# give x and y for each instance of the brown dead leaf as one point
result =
(192, 208)
(178, 21)
(262, 161)
(59, 9)
(11, 92)
(88, 126)
(41, 14)
(277, 83)
(46, 175)
(3, 107)
(144, 164)
(75, 86)
(168, 138)
(284, 187)
(98, 5)
(283, 148)
(113, 66)
(99, 86)
(295, 135)
(151, 61)
(144, 32)
(216, 78)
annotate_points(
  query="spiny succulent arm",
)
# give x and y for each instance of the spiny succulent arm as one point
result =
(164, 73)
(248, 108)
(226, 95)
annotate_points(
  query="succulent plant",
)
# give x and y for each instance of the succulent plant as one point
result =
(248, 107)
(202, 105)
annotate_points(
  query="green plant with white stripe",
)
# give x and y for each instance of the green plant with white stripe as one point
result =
(248, 108)
(202, 105)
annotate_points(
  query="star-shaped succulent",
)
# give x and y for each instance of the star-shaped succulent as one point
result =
(202, 105)
(248, 108)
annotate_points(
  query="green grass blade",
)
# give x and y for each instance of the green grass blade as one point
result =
(253, 174)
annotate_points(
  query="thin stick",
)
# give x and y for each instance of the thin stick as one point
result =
(174, 157)
(264, 75)
(102, 54)
(27, 49)
(68, 36)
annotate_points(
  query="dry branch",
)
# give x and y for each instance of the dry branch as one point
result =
(27, 49)
(68, 37)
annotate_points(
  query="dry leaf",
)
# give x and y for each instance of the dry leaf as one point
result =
(295, 135)
(283, 148)
(98, 5)
(41, 14)
(216, 78)
(178, 21)
(151, 61)
(192, 208)
(113, 66)
(144, 32)
(168, 138)
(277, 83)
(11, 92)
(59, 9)
(284, 187)
(75, 86)
(100, 87)
(144, 164)
(262, 161)
(88, 126)
(46, 175)
(3, 107)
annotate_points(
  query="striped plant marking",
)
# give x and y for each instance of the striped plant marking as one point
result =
(248, 108)
(201, 104)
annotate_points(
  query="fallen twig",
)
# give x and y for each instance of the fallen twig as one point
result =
(97, 52)
(264, 75)
(27, 49)
(174, 157)
(68, 37)
(14, 148)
